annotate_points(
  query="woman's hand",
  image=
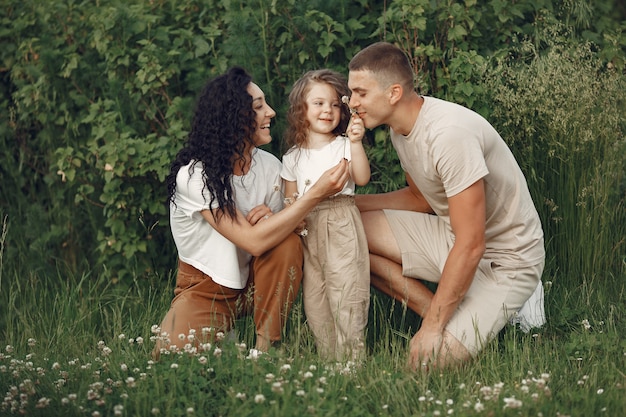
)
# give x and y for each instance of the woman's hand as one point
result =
(331, 182)
(260, 212)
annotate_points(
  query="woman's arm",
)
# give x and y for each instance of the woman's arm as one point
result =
(264, 235)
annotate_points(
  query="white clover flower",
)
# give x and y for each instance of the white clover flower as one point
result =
(139, 340)
(220, 336)
(241, 396)
(155, 411)
(286, 367)
(269, 377)
(31, 342)
(300, 393)
(190, 410)
(174, 366)
(277, 387)
(124, 367)
(599, 391)
(512, 402)
(586, 324)
(155, 329)
(259, 398)
(217, 352)
(254, 354)
(203, 360)
(308, 375)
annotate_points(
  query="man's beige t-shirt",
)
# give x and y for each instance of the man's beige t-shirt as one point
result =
(451, 147)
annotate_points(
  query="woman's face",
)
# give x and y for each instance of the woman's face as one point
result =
(264, 114)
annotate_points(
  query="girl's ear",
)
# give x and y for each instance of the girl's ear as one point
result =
(395, 93)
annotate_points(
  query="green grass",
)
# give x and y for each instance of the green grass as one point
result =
(78, 346)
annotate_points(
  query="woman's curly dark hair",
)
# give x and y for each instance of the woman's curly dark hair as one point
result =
(222, 130)
(298, 126)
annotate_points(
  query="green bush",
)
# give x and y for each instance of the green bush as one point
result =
(97, 97)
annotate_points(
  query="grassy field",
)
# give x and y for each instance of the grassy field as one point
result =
(75, 346)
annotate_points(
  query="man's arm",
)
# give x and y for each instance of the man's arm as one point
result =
(467, 218)
(408, 198)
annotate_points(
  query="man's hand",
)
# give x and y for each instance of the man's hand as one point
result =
(424, 349)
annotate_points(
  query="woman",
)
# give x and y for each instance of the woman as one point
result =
(237, 250)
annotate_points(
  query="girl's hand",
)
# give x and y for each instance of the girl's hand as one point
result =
(356, 129)
(259, 213)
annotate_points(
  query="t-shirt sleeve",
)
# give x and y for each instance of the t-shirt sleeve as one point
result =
(192, 196)
(459, 159)
(288, 172)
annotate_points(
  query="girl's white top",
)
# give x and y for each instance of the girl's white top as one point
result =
(198, 243)
(306, 166)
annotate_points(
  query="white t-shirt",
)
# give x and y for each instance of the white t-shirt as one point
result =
(198, 243)
(451, 147)
(306, 166)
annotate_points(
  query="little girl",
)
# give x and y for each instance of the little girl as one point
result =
(336, 280)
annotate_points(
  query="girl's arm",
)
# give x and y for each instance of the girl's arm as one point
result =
(359, 165)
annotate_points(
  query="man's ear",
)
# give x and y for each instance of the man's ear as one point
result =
(395, 93)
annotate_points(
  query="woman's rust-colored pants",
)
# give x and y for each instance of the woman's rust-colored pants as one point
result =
(199, 302)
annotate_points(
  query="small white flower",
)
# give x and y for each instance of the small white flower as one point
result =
(259, 398)
(254, 354)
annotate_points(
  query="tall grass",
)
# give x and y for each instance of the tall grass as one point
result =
(76, 345)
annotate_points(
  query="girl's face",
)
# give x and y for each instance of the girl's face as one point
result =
(323, 108)
(264, 114)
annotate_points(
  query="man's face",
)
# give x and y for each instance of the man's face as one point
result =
(369, 98)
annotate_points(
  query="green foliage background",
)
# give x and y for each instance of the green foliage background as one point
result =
(96, 98)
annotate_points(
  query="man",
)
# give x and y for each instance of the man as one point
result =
(466, 221)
